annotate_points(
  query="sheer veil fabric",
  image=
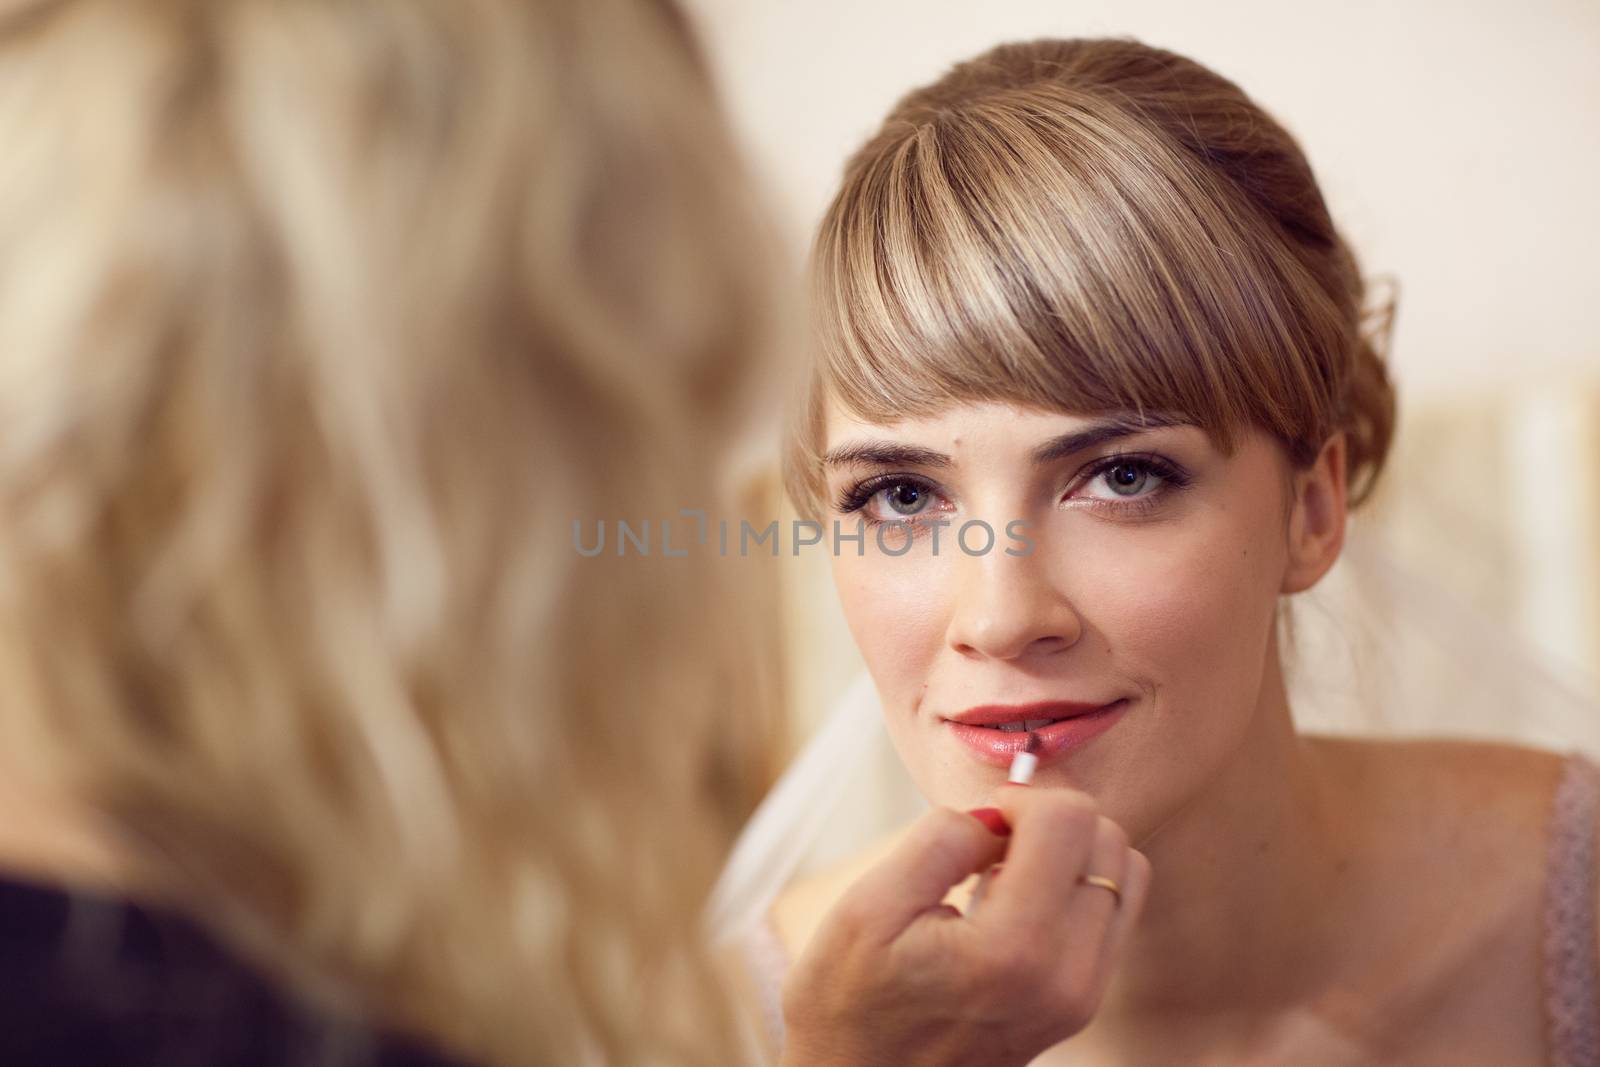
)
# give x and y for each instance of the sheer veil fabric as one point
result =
(1375, 649)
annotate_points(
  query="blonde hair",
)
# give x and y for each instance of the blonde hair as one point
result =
(321, 322)
(1086, 226)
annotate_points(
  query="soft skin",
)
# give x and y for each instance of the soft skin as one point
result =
(1166, 598)
(1312, 900)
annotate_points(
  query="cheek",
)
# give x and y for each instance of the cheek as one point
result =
(892, 608)
(1187, 609)
(898, 613)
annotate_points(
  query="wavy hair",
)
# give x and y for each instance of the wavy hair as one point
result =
(320, 322)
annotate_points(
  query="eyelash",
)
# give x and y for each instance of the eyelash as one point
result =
(856, 497)
(1173, 478)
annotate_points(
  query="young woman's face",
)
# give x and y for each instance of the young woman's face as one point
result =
(1146, 586)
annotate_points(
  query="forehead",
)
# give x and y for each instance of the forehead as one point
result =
(978, 425)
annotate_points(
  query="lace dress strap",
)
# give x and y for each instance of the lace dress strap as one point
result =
(1572, 969)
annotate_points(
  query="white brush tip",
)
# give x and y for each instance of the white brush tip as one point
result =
(1023, 764)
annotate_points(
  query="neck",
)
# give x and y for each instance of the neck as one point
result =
(48, 835)
(1240, 877)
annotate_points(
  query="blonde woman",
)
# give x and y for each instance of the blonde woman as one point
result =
(321, 323)
(1093, 377)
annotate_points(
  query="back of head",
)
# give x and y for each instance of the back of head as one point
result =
(320, 322)
(1088, 225)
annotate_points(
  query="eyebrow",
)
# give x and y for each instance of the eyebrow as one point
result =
(1108, 429)
(892, 454)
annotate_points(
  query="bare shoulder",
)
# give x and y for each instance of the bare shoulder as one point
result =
(1485, 803)
(799, 909)
(1482, 789)
(1470, 820)
(1461, 828)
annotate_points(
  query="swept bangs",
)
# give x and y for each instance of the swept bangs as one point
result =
(1053, 248)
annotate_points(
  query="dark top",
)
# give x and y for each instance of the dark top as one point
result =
(96, 980)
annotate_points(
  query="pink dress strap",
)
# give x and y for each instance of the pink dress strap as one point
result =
(1571, 942)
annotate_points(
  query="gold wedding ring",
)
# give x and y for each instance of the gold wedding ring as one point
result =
(1103, 882)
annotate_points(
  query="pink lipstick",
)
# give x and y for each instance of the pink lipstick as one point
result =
(1050, 730)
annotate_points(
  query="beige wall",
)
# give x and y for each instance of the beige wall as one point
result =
(1458, 142)
(1459, 146)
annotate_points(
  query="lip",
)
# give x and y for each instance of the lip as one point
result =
(1078, 725)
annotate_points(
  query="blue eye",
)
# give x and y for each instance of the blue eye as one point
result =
(905, 498)
(1129, 481)
(891, 497)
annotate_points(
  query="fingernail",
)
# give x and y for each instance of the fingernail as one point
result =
(993, 820)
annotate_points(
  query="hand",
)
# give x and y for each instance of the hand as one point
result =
(895, 977)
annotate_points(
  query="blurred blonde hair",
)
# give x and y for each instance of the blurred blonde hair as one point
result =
(320, 323)
(1091, 226)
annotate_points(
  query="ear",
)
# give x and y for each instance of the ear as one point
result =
(1316, 517)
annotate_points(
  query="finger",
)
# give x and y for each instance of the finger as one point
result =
(1135, 891)
(1091, 906)
(941, 849)
(1052, 832)
(1087, 917)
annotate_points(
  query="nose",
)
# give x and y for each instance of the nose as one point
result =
(1009, 607)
